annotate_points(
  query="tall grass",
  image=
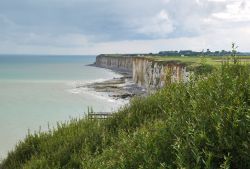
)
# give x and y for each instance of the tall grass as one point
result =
(201, 124)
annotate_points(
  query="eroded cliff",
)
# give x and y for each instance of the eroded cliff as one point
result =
(122, 63)
(146, 72)
(154, 74)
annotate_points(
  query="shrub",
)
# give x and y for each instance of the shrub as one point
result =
(204, 123)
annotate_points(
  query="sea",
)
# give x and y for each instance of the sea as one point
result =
(38, 91)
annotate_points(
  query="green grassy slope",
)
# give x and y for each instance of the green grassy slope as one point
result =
(201, 124)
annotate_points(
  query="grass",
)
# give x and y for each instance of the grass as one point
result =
(212, 60)
(201, 124)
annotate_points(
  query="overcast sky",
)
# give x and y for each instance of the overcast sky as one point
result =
(122, 26)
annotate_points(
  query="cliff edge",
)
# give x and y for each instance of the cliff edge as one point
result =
(146, 72)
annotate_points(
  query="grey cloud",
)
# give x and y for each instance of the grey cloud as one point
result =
(108, 19)
(47, 22)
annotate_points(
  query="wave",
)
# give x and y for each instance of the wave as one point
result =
(80, 88)
(82, 83)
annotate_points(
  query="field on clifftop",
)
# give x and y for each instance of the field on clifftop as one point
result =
(211, 60)
(204, 123)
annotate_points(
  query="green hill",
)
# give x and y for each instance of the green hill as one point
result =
(204, 123)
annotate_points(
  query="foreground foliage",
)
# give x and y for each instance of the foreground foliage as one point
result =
(201, 124)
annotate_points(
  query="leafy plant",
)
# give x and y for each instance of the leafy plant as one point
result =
(201, 124)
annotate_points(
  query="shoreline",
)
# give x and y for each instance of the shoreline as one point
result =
(117, 88)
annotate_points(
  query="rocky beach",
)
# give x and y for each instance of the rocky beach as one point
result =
(117, 88)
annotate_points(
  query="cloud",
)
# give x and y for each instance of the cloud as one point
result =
(236, 11)
(157, 26)
(99, 26)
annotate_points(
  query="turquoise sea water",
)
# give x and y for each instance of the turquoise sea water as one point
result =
(37, 90)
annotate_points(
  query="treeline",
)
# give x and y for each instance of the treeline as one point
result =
(199, 53)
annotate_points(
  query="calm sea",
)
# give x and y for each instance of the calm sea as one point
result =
(37, 90)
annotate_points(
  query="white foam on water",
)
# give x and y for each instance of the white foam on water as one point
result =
(90, 92)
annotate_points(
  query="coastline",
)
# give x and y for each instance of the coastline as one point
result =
(117, 88)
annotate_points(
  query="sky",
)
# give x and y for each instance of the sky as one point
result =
(122, 26)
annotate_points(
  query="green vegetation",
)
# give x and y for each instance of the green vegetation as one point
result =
(204, 123)
(204, 64)
(212, 60)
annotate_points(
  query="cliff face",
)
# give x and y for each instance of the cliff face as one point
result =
(155, 74)
(146, 72)
(123, 63)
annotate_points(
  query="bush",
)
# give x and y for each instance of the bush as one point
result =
(201, 124)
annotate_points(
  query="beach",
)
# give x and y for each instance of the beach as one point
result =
(118, 88)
